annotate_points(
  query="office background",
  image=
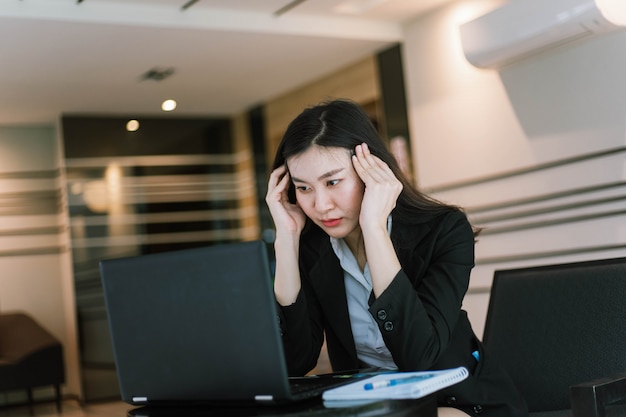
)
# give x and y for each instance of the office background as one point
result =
(534, 152)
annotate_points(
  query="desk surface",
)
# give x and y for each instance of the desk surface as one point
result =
(425, 407)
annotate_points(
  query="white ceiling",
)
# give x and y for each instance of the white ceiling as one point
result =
(72, 56)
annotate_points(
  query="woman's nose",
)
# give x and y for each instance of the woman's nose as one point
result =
(323, 201)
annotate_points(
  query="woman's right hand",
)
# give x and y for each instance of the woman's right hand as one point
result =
(289, 220)
(288, 217)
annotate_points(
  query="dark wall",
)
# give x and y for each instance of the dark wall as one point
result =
(90, 136)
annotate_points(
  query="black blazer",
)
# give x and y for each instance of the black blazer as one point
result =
(419, 314)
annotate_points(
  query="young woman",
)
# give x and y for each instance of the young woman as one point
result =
(379, 268)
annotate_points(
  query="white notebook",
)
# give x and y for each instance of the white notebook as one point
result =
(398, 385)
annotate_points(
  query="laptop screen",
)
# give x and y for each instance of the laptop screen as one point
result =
(195, 325)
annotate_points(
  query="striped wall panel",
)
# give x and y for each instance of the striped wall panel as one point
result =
(158, 203)
(30, 204)
(561, 211)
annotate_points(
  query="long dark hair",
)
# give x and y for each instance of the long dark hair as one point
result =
(344, 124)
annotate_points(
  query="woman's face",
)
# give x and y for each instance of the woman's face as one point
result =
(328, 189)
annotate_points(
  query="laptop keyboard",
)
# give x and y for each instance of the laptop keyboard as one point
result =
(317, 385)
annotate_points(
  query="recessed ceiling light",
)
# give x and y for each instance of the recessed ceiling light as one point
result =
(132, 125)
(168, 105)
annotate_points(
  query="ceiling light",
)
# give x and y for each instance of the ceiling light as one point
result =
(132, 125)
(168, 105)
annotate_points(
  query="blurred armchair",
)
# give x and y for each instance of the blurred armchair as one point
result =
(30, 356)
(560, 332)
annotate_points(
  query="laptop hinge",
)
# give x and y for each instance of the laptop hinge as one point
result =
(264, 398)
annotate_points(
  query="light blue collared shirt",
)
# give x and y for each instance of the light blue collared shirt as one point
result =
(370, 346)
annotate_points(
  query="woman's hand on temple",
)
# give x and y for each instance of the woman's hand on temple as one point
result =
(287, 216)
(289, 220)
(382, 188)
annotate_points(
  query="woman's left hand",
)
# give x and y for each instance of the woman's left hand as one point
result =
(382, 188)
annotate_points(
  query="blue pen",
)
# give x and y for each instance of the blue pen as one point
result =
(396, 381)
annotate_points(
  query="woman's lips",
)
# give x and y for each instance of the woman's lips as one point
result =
(331, 222)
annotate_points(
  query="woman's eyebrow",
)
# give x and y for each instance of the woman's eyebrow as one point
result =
(330, 173)
(321, 177)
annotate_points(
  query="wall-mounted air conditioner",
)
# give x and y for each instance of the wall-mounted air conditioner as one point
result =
(522, 27)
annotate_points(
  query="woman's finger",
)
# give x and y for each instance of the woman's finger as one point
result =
(362, 164)
(278, 183)
(276, 175)
(368, 166)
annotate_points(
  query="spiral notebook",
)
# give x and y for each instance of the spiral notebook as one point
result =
(398, 385)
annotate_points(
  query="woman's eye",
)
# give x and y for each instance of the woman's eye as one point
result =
(302, 188)
(333, 182)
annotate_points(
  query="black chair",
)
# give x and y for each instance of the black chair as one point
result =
(30, 356)
(560, 332)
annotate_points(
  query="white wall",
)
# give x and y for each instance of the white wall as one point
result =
(35, 265)
(469, 124)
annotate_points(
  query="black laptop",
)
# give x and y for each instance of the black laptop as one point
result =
(200, 326)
